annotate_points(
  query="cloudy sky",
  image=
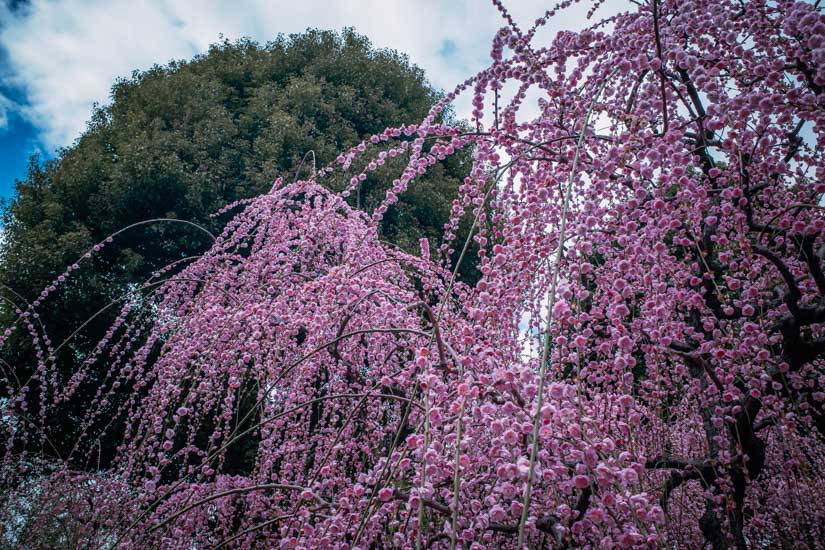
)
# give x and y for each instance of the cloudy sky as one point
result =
(59, 57)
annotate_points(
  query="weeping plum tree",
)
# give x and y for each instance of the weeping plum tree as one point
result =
(640, 364)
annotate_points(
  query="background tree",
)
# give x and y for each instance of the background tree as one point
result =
(182, 141)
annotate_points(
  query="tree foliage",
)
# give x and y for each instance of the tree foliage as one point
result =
(639, 365)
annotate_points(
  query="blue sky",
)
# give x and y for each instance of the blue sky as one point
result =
(18, 140)
(18, 136)
(60, 57)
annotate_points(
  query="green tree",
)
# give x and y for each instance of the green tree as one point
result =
(181, 141)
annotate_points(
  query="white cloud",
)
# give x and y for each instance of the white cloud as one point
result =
(5, 107)
(67, 54)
